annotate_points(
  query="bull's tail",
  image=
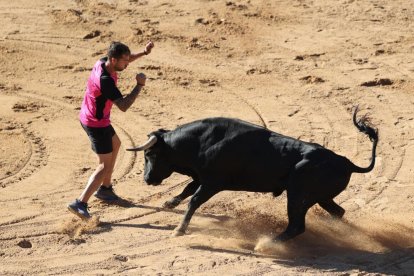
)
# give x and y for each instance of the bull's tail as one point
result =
(364, 125)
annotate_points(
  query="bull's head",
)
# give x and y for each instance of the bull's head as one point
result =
(157, 165)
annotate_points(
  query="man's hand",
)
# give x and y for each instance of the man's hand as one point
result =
(125, 103)
(148, 47)
(141, 78)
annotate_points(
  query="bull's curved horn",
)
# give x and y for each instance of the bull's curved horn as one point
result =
(151, 141)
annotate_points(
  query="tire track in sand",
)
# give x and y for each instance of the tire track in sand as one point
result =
(36, 158)
(130, 143)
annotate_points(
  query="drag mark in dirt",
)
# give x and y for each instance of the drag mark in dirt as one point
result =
(31, 197)
(72, 227)
(35, 159)
(393, 262)
(31, 235)
(15, 221)
(40, 41)
(398, 166)
(136, 216)
(131, 161)
(115, 263)
(390, 164)
(236, 251)
(57, 102)
(166, 191)
(149, 198)
(255, 109)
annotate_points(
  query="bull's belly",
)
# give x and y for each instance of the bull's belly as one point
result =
(257, 176)
(250, 188)
(260, 185)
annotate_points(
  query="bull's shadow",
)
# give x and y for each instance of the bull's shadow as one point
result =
(331, 245)
(153, 210)
(393, 262)
(220, 218)
(388, 251)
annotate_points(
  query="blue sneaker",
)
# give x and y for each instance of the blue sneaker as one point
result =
(80, 209)
(106, 194)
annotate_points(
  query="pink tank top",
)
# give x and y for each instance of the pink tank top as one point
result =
(100, 93)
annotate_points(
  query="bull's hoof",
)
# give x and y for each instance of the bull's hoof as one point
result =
(178, 233)
(171, 204)
(282, 238)
(289, 234)
(338, 214)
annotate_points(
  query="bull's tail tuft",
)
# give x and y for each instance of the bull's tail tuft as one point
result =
(364, 125)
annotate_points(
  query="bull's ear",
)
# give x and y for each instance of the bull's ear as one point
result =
(158, 133)
(162, 130)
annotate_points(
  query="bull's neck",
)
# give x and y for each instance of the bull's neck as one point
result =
(183, 160)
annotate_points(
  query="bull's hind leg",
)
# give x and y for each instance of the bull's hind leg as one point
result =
(332, 208)
(299, 200)
(190, 189)
(297, 209)
(201, 195)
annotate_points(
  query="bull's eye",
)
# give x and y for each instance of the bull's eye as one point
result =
(149, 153)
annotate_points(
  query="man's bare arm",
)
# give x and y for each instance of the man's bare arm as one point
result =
(125, 103)
(135, 56)
(147, 50)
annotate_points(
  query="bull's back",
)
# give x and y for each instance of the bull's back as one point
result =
(245, 156)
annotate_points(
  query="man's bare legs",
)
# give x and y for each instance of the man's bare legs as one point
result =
(103, 173)
(116, 144)
(95, 180)
(80, 206)
(101, 176)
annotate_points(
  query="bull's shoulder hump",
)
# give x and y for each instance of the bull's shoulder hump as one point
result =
(213, 121)
(230, 122)
(219, 126)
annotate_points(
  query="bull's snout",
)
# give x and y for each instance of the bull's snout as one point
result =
(152, 182)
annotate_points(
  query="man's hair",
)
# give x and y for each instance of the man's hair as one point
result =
(117, 50)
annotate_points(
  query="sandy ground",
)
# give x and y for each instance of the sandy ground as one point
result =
(297, 67)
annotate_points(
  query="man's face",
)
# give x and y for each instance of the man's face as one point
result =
(121, 63)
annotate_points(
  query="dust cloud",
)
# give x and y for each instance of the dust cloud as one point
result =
(255, 232)
(75, 227)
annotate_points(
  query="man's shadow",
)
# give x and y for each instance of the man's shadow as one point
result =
(126, 203)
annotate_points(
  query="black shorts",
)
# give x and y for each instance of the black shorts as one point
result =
(101, 138)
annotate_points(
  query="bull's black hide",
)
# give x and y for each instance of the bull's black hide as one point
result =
(229, 154)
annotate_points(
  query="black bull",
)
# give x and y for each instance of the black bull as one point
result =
(228, 154)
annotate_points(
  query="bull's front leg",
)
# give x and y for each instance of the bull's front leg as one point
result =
(202, 194)
(190, 189)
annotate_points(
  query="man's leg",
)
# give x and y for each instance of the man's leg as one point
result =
(105, 191)
(80, 206)
(95, 180)
(116, 144)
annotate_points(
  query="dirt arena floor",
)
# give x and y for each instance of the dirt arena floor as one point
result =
(297, 67)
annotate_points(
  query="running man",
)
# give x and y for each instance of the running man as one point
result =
(101, 93)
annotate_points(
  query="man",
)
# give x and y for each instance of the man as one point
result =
(101, 93)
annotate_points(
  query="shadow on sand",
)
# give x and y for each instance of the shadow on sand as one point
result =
(328, 244)
(332, 245)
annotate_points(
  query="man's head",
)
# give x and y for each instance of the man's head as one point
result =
(118, 55)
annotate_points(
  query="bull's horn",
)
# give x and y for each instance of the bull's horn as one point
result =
(151, 141)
